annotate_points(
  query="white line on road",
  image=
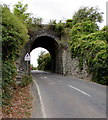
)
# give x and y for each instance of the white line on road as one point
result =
(79, 90)
(42, 105)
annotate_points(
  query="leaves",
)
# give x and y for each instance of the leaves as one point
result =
(21, 104)
(20, 12)
(93, 48)
(89, 43)
(87, 14)
(44, 61)
(14, 34)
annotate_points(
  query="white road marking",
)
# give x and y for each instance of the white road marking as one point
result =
(79, 90)
(52, 83)
(42, 105)
(43, 77)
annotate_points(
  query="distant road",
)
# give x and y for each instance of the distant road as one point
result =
(67, 97)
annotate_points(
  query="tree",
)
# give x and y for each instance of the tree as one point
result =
(89, 44)
(44, 61)
(32, 23)
(84, 28)
(20, 11)
(14, 34)
(85, 14)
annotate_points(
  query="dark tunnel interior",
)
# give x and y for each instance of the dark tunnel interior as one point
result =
(49, 44)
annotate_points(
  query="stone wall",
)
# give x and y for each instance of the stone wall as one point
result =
(63, 63)
(71, 66)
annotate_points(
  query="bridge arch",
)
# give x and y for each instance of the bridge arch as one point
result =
(50, 44)
(57, 47)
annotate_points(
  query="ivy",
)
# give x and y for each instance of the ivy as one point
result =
(92, 48)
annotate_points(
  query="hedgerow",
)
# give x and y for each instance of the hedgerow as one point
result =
(14, 36)
(8, 80)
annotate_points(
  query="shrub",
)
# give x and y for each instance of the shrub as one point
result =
(8, 80)
(14, 36)
(93, 49)
(26, 80)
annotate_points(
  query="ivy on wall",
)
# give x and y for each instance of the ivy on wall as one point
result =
(90, 44)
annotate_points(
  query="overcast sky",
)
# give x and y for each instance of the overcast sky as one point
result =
(57, 9)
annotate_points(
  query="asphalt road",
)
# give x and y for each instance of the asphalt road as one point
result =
(67, 97)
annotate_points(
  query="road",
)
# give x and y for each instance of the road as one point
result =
(67, 97)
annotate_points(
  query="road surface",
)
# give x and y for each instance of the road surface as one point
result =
(67, 97)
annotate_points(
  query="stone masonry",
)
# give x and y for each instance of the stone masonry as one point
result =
(59, 50)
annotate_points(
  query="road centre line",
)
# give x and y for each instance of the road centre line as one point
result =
(79, 90)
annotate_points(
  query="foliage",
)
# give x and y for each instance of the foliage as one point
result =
(26, 80)
(35, 24)
(8, 80)
(85, 14)
(52, 25)
(69, 23)
(32, 23)
(44, 61)
(79, 30)
(92, 48)
(37, 21)
(59, 28)
(21, 104)
(85, 28)
(96, 55)
(20, 12)
(32, 67)
(14, 34)
(88, 43)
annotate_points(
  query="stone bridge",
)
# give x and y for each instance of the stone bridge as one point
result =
(58, 47)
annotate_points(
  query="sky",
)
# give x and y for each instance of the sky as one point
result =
(57, 10)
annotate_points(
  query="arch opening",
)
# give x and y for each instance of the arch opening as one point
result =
(34, 54)
(51, 45)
